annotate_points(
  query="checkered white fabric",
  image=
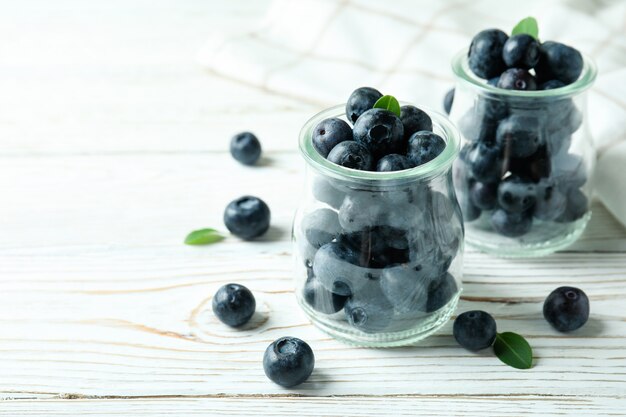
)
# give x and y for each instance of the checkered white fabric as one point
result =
(318, 51)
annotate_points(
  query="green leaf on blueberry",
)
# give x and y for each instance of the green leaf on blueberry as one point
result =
(388, 103)
(513, 350)
(528, 26)
(203, 237)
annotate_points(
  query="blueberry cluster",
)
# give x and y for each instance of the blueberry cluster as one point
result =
(516, 164)
(381, 255)
(380, 140)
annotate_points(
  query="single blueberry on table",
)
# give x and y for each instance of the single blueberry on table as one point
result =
(551, 85)
(511, 224)
(560, 62)
(361, 100)
(393, 162)
(485, 53)
(233, 304)
(321, 227)
(566, 309)
(328, 133)
(448, 99)
(247, 217)
(485, 161)
(245, 148)
(288, 361)
(320, 299)
(414, 120)
(519, 135)
(440, 292)
(516, 195)
(474, 330)
(425, 146)
(351, 154)
(517, 79)
(381, 131)
(521, 51)
(484, 195)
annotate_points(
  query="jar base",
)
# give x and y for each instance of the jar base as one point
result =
(488, 242)
(344, 333)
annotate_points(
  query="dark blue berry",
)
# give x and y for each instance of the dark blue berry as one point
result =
(328, 133)
(361, 100)
(320, 299)
(245, 148)
(425, 146)
(233, 304)
(551, 201)
(521, 51)
(476, 128)
(321, 227)
(485, 53)
(577, 206)
(517, 79)
(288, 361)
(351, 154)
(566, 309)
(493, 81)
(414, 120)
(393, 162)
(323, 190)
(448, 99)
(376, 247)
(533, 167)
(485, 161)
(337, 266)
(551, 85)
(484, 195)
(406, 287)
(516, 195)
(519, 135)
(440, 292)
(491, 109)
(560, 62)
(369, 310)
(247, 217)
(511, 224)
(474, 330)
(381, 131)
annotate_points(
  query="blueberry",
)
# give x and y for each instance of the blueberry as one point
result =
(440, 292)
(361, 100)
(517, 79)
(288, 361)
(247, 217)
(566, 309)
(363, 209)
(521, 51)
(328, 133)
(448, 99)
(560, 62)
(511, 224)
(577, 206)
(381, 131)
(559, 140)
(425, 146)
(474, 330)
(534, 167)
(493, 81)
(490, 109)
(551, 85)
(516, 195)
(351, 154)
(468, 208)
(485, 162)
(393, 162)
(519, 135)
(233, 304)
(405, 287)
(321, 227)
(414, 120)
(476, 128)
(320, 299)
(485, 53)
(369, 311)
(245, 148)
(324, 191)
(377, 247)
(484, 195)
(551, 201)
(337, 268)
(569, 170)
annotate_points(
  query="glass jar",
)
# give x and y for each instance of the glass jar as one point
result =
(378, 255)
(523, 176)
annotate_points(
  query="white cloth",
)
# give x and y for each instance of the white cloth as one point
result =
(318, 51)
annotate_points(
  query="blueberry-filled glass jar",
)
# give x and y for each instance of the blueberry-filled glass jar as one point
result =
(378, 255)
(523, 176)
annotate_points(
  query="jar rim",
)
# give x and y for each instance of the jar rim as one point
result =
(428, 170)
(461, 70)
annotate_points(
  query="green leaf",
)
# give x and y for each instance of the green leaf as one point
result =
(203, 237)
(527, 25)
(514, 350)
(388, 103)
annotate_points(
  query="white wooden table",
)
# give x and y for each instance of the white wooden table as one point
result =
(113, 145)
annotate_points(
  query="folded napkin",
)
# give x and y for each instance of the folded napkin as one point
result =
(318, 51)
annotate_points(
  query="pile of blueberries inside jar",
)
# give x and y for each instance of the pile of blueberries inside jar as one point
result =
(516, 167)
